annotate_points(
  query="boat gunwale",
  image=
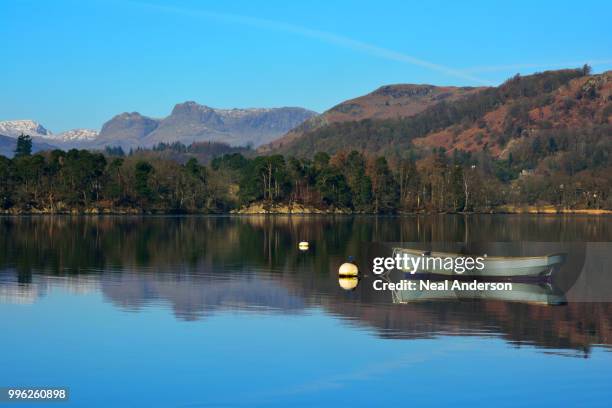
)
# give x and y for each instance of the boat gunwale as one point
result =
(489, 258)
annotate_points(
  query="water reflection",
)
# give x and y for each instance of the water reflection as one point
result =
(348, 282)
(195, 296)
(198, 265)
(535, 293)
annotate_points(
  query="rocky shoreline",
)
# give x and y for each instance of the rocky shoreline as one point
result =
(262, 208)
(288, 209)
(265, 208)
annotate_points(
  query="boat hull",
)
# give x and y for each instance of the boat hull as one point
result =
(533, 266)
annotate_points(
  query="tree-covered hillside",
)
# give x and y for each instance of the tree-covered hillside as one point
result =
(543, 140)
(491, 118)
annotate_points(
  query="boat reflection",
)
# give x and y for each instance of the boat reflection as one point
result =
(534, 293)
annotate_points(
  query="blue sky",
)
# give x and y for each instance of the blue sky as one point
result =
(71, 64)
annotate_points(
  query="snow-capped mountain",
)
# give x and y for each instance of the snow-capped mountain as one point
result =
(76, 135)
(14, 128)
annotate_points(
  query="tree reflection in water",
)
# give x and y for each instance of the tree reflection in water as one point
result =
(198, 265)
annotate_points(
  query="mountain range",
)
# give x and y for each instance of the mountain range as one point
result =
(188, 122)
(191, 122)
(14, 128)
(390, 120)
(42, 138)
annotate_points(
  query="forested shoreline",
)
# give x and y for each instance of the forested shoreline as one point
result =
(539, 143)
(81, 181)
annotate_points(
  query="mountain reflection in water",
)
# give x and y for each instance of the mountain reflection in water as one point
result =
(197, 266)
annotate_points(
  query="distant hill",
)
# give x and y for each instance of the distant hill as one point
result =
(386, 102)
(178, 152)
(191, 122)
(497, 119)
(126, 130)
(8, 144)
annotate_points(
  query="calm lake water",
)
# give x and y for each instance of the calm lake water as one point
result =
(226, 311)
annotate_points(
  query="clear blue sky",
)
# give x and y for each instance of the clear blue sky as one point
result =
(74, 64)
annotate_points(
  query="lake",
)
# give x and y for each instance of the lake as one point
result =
(227, 311)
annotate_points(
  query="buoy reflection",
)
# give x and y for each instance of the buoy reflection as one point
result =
(348, 282)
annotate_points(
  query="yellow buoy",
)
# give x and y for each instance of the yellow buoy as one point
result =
(348, 282)
(348, 269)
(303, 246)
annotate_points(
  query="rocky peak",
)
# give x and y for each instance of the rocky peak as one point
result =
(14, 128)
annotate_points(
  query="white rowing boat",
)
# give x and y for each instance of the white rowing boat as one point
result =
(493, 266)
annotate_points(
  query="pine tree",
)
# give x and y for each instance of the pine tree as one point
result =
(24, 146)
